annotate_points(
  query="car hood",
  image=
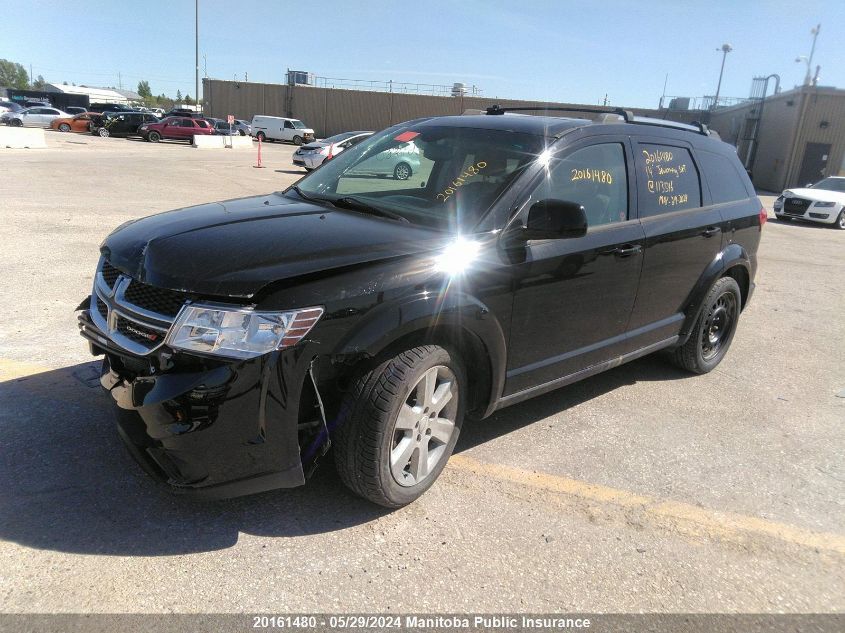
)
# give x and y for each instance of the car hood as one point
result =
(237, 247)
(314, 145)
(821, 195)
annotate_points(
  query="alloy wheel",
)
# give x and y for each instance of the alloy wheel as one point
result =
(424, 426)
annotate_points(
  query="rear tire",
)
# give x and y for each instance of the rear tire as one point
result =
(714, 328)
(103, 132)
(398, 426)
(153, 137)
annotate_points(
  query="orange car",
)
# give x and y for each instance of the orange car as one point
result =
(78, 123)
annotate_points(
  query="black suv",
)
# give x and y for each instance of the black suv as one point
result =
(109, 107)
(243, 338)
(120, 123)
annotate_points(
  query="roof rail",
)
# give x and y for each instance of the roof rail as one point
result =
(627, 115)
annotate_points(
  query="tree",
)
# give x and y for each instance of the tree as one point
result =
(13, 75)
(178, 95)
(188, 100)
(39, 83)
(144, 89)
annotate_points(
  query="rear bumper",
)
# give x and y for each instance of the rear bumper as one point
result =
(206, 428)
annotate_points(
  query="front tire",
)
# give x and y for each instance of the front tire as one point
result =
(261, 137)
(153, 137)
(297, 140)
(840, 221)
(399, 425)
(64, 127)
(103, 132)
(714, 329)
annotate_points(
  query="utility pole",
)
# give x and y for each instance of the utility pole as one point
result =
(726, 48)
(197, 50)
(204, 67)
(119, 80)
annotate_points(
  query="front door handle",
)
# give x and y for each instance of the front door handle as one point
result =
(626, 250)
(710, 231)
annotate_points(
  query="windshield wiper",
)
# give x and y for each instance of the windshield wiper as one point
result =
(350, 202)
(306, 196)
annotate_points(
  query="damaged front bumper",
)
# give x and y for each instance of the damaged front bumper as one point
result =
(210, 428)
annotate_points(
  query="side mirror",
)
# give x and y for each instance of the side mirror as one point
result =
(809, 184)
(555, 219)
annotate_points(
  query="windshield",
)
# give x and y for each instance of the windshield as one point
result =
(831, 184)
(442, 177)
(299, 125)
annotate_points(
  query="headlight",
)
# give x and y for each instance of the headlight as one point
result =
(239, 332)
(823, 204)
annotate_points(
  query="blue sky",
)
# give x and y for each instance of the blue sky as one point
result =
(560, 51)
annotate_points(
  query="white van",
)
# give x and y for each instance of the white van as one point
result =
(276, 128)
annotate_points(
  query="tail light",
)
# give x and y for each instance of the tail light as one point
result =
(764, 216)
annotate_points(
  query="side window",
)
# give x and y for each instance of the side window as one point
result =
(669, 179)
(288, 125)
(594, 177)
(726, 184)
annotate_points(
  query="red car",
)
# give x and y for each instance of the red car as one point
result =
(175, 127)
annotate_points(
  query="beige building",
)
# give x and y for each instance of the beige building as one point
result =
(800, 136)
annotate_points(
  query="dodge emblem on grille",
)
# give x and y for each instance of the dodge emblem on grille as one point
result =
(147, 335)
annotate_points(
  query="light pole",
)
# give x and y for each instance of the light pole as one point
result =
(809, 60)
(726, 48)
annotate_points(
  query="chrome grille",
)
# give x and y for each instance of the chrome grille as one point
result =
(135, 315)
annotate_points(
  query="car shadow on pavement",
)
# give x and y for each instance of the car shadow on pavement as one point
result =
(68, 484)
(650, 368)
(802, 224)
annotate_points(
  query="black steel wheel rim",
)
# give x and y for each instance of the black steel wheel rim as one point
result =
(718, 324)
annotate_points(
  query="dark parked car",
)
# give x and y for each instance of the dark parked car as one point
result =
(176, 128)
(242, 338)
(75, 110)
(110, 107)
(191, 114)
(121, 123)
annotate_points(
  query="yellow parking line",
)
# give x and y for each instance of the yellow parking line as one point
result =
(13, 369)
(726, 524)
(712, 522)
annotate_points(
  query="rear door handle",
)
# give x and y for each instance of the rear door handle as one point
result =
(710, 231)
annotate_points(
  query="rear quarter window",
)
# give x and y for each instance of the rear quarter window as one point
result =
(726, 182)
(668, 179)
